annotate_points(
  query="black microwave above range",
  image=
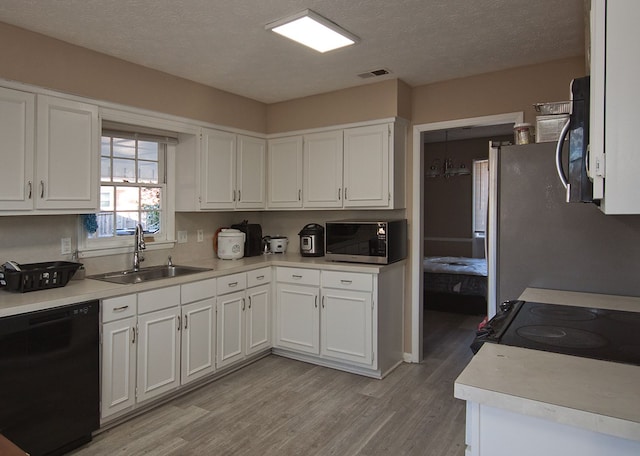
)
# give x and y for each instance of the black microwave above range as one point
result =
(362, 241)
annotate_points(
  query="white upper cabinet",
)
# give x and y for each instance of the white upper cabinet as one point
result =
(251, 173)
(16, 149)
(285, 172)
(232, 171)
(356, 168)
(614, 160)
(61, 174)
(322, 164)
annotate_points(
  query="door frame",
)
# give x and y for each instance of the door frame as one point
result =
(417, 215)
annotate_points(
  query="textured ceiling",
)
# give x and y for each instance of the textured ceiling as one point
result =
(223, 43)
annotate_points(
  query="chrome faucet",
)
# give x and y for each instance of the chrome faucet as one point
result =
(138, 246)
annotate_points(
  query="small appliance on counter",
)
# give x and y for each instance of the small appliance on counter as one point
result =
(253, 237)
(275, 244)
(366, 241)
(312, 240)
(230, 244)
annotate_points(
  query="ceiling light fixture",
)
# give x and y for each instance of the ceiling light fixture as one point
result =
(314, 31)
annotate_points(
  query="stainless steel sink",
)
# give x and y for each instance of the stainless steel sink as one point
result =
(147, 274)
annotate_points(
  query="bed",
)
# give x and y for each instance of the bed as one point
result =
(456, 284)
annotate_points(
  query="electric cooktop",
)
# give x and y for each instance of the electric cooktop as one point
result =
(610, 335)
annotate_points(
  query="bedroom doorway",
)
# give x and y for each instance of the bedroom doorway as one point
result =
(462, 128)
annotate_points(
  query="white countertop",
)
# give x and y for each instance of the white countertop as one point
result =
(76, 291)
(599, 396)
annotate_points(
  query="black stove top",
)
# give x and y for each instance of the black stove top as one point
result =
(610, 335)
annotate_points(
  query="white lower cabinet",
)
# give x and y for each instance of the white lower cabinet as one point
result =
(342, 319)
(151, 345)
(346, 322)
(243, 316)
(297, 310)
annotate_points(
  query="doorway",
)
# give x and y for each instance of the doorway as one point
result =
(470, 126)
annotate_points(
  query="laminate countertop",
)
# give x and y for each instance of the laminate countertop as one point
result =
(77, 291)
(596, 395)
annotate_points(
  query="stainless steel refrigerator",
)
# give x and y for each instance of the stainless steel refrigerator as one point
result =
(542, 241)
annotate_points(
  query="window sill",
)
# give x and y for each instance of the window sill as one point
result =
(98, 252)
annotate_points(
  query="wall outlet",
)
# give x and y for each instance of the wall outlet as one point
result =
(200, 235)
(182, 237)
(65, 246)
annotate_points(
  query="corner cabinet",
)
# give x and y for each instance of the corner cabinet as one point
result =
(614, 162)
(232, 171)
(59, 175)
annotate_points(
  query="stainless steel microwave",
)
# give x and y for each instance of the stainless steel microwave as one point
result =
(361, 241)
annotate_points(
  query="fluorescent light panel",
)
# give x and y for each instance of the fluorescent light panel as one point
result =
(314, 31)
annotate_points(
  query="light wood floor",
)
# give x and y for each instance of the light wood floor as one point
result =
(278, 406)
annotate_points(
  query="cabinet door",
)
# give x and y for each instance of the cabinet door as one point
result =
(346, 322)
(297, 318)
(285, 172)
(158, 353)
(67, 155)
(17, 111)
(322, 176)
(230, 318)
(251, 163)
(366, 166)
(258, 322)
(198, 340)
(218, 170)
(118, 366)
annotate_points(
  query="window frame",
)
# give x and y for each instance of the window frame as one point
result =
(477, 163)
(124, 244)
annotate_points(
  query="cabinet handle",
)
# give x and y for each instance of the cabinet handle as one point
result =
(179, 323)
(345, 194)
(120, 309)
(316, 302)
(299, 195)
(243, 303)
(346, 282)
(339, 194)
(233, 284)
(261, 277)
(133, 335)
(41, 189)
(296, 276)
(30, 185)
(186, 320)
(249, 302)
(323, 302)
(239, 195)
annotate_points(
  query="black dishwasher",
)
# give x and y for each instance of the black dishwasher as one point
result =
(49, 378)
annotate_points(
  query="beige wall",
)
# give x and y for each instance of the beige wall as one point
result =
(496, 93)
(368, 102)
(35, 59)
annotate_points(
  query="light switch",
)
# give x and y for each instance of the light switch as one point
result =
(182, 237)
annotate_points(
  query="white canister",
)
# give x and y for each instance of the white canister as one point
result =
(230, 244)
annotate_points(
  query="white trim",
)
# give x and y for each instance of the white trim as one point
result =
(158, 245)
(417, 215)
(367, 123)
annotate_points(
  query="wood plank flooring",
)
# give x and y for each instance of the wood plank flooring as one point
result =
(282, 407)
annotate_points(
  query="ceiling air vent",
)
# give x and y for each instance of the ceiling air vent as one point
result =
(374, 73)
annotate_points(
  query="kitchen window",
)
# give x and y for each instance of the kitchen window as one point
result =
(133, 190)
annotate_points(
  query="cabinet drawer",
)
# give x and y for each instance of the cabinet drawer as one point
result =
(198, 291)
(347, 280)
(117, 308)
(258, 277)
(299, 275)
(231, 283)
(162, 298)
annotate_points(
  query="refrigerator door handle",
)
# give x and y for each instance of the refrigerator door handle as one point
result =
(561, 174)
